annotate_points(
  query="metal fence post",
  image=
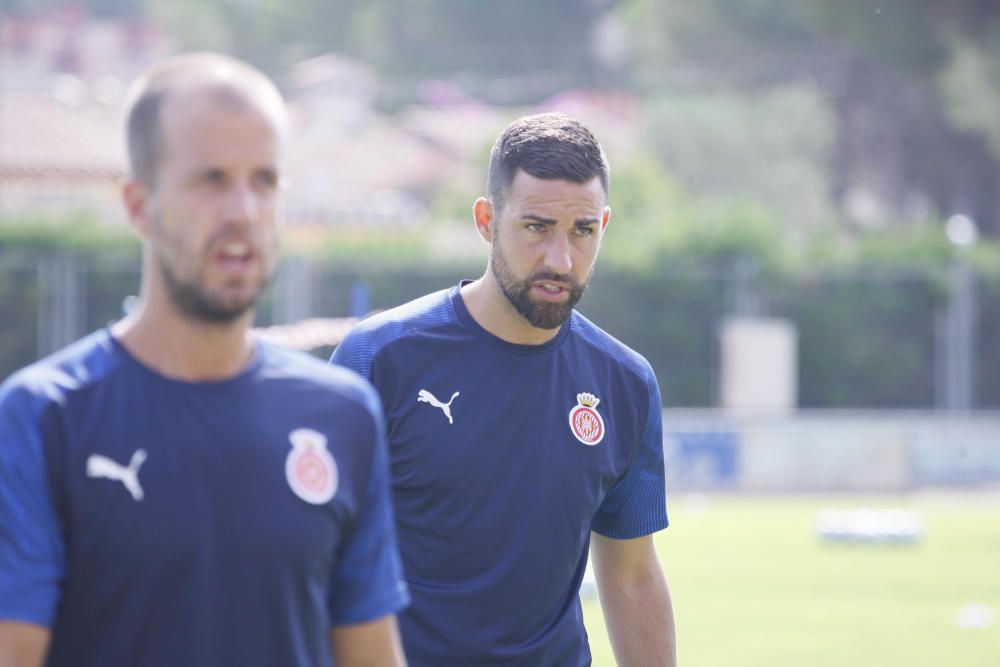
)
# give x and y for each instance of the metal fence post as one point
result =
(960, 344)
(293, 291)
(956, 376)
(61, 315)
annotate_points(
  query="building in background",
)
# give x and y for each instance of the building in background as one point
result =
(62, 77)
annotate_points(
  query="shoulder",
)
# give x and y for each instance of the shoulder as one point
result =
(55, 378)
(370, 336)
(308, 373)
(426, 312)
(601, 344)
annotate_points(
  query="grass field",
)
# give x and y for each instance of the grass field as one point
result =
(753, 586)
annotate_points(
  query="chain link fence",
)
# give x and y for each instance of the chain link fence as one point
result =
(866, 339)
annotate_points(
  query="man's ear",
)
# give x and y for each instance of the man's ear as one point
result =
(606, 218)
(136, 198)
(482, 213)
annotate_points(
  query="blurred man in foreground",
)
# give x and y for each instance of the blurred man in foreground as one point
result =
(521, 434)
(172, 491)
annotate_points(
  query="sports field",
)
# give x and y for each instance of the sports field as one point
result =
(754, 586)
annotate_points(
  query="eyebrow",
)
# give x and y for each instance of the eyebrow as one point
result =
(201, 171)
(582, 222)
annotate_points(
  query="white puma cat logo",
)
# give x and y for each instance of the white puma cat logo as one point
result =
(425, 396)
(102, 466)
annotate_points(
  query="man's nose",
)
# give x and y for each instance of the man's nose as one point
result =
(557, 255)
(243, 203)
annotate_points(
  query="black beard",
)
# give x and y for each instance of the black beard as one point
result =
(539, 314)
(193, 302)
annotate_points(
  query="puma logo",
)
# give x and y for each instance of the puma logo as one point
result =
(102, 466)
(425, 396)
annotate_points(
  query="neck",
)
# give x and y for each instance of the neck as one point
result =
(184, 349)
(491, 310)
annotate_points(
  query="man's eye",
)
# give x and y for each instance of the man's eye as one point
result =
(584, 231)
(266, 180)
(213, 177)
(536, 227)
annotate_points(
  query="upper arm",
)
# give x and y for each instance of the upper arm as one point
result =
(623, 561)
(637, 503)
(32, 553)
(372, 644)
(367, 582)
(22, 644)
(355, 351)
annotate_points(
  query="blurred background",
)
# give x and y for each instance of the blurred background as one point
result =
(804, 244)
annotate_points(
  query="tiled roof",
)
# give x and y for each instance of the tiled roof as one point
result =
(42, 135)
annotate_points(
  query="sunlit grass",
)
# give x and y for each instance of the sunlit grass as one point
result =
(754, 586)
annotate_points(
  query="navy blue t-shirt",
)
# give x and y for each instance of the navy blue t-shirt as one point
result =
(504, 458)
(149, 521)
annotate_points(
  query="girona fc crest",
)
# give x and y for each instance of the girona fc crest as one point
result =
(309, 468)
(585, 421)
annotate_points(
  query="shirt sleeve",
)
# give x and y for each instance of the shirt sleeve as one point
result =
(355, 351)
(637, 504)
(32, 553)
(368, 581)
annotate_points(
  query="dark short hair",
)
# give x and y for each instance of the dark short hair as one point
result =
(229, 79)
(548, 146)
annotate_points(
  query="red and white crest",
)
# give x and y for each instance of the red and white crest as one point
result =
(309, 468)
(585, 421)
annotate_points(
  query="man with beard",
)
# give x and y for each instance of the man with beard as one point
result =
(172, 491)
(521, 434)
